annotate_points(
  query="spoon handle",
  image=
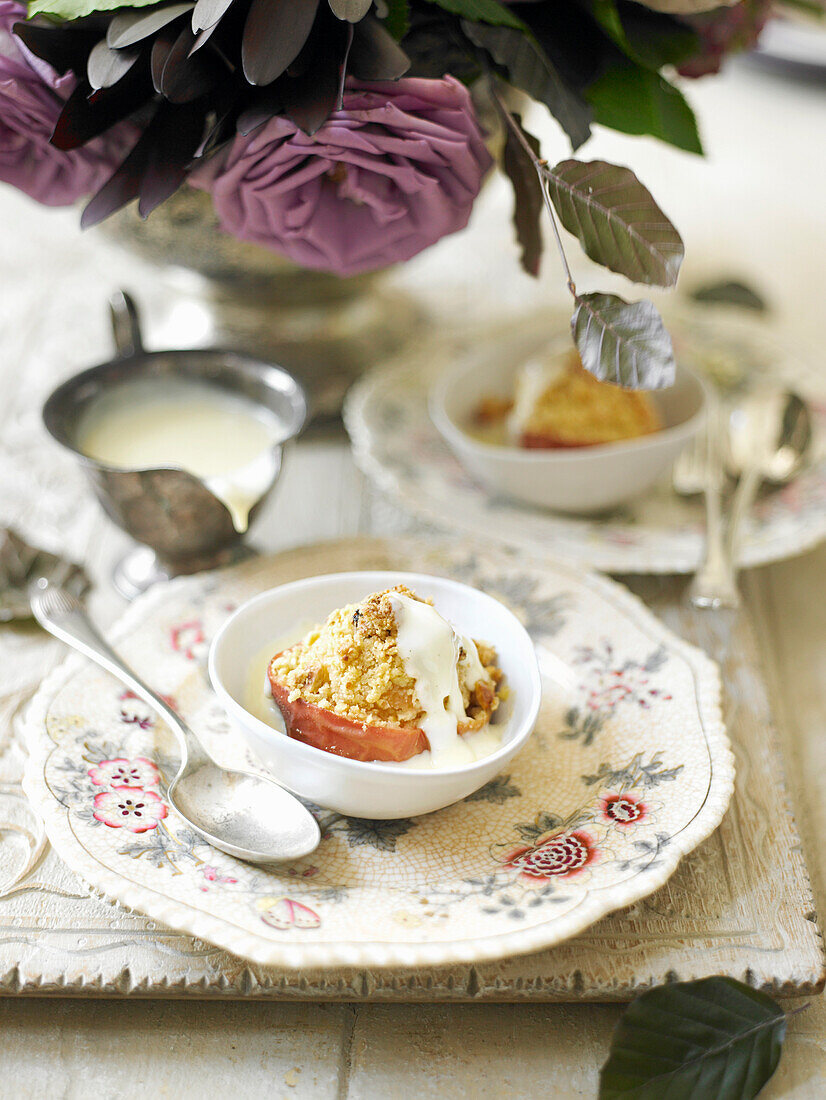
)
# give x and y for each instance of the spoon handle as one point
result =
(741, 504)
(715, 583)
(63, 616)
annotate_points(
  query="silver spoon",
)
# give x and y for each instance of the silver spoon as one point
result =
(245, 815)
(770, 436)
(769, 439)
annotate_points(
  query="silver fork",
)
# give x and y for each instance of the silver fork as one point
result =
(700, 469)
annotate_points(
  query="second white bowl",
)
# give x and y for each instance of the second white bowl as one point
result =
(352, 787)
(579, 480)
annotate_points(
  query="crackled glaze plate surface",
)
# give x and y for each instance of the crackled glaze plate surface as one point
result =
(628, 770)
(397, 445)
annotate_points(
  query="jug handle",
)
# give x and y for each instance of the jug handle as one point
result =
(126, 326)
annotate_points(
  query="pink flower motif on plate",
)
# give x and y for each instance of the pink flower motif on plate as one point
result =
(560, 856)
(212, 874)
(189, 638)
(125, 774)
(623, 809)
(129, 808)
(284, 913)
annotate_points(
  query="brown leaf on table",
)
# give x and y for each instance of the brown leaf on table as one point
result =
(22, 565)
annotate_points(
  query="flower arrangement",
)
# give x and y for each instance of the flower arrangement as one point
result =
(342, 133)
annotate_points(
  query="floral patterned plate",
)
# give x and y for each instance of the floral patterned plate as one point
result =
(397, 445)
(628, 770)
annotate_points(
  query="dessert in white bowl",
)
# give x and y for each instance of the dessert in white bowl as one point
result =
(403, 716)
(564, 473)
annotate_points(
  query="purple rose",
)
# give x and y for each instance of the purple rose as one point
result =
(391, 173)
(31, 99)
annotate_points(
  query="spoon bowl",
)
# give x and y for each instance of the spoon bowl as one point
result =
(771, 433)
(246, 816)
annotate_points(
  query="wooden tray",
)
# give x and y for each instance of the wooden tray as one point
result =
(739, 905)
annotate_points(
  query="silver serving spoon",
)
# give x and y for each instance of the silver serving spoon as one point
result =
(245, 815)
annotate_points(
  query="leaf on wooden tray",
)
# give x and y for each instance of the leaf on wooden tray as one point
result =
(528, 67)
(350, 11)
(527, 194)
(695, 1040)
(274, 34)
(617, 221)
(636, 100)
(130, 27)
(625, 343)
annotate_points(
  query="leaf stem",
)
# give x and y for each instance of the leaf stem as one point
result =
(343, 73)
(542, 172)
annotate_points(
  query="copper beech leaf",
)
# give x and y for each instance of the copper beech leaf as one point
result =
(527, 194)
(621, 342)
(617, 221)
(529, 68)
(694, 1040)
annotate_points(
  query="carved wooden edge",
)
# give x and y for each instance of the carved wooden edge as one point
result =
(363, 988)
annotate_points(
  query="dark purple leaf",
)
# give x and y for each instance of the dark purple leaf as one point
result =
(122, 186)
(203, 36)
(310, 97)
(375, 54)
(351, 11)
(274, 34)
(128, 27)
(186, 77)
(161, 49)
(62, 47)
(105, 66)
(209, 13)
(86, 114)
(309, 101)
(267, 103)
(177, 133)
(527, 195)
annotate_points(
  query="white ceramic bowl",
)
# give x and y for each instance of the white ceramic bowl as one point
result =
(352, 787)
(581, 480)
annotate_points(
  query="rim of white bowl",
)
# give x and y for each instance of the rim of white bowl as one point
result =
(377, 767)
(453, 432)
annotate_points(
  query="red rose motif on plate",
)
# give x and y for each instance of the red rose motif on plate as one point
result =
(623, 809)
(129, 808)
(559, 856)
